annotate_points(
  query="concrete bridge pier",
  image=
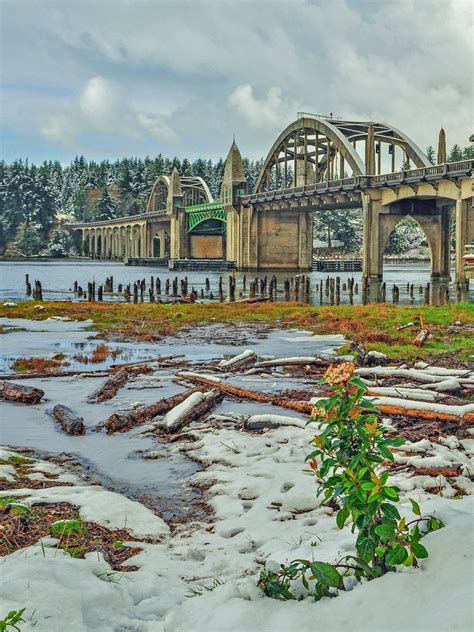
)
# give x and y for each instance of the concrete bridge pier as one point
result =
(464, 236)
(433, 216)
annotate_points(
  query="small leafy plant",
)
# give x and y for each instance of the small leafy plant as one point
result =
(11, 620)
(347, 461)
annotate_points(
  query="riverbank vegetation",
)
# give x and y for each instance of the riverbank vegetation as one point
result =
(374, 327)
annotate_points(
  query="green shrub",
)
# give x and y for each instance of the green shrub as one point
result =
(347, 462)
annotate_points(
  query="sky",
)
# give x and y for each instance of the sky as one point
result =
(113, 78)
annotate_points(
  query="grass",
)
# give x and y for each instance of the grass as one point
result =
(8, 500)
(67, 528)
(16, 461)
(38, 365)
(371, 326)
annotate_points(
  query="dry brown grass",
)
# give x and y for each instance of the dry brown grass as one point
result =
(38, 365)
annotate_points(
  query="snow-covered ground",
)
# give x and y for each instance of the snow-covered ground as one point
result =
(264, 506)
(265, 509)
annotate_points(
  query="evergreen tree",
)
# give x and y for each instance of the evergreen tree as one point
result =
(430, 154)
(105, 208)
(60, 243)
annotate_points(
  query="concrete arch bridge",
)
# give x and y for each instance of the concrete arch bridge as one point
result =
(316, 165)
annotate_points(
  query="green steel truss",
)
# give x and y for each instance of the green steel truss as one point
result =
(200, 213)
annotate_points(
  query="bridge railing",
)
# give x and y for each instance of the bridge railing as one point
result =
(357, 183)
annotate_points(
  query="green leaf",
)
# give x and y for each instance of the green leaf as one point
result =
(367, 405)
(365, 548)
(390, 511)
(385, 531)
(394, 441)
(434, 524)
(418, 550)
(326, 574)
(390, 492)
(396, 555)
(342, 516)
(386, 453)
(415, 507)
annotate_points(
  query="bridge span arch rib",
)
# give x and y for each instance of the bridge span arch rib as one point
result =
(313, 149)
(194, 190)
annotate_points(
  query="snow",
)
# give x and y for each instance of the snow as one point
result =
(172, 420)
(96, 504)
(248, 353)
(265, 508)
(255, 422)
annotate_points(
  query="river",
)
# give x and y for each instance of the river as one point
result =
(58, 277)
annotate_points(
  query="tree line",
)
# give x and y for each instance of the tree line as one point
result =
(35, 200)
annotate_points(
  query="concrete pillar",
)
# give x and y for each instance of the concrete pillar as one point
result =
(143, 241)
(437, 228)
(372, 257)
(305, 246)
(464, 236)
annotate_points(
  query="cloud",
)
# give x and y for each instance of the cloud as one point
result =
(269, 112)
(102, 107)
(182, 77)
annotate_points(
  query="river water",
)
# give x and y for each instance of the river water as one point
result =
(58, 277)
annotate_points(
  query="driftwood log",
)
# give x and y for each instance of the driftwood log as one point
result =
(22, 394)
(405, 408)
(243, 393)
(118, 379)
(239, 361)
(193, 408)
(121, 422)
(70, 422)
(421, 338)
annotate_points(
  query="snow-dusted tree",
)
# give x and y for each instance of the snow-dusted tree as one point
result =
(105, 208)
(27, 241)
(60, 244)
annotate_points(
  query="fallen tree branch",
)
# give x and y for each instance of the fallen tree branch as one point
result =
(194, 407)
(121, 422)
(243, 393)
(238, 361)
(112, 385)
(421, 338)
(21, 394)
(296, 361)
(70, 422)
(409, 374)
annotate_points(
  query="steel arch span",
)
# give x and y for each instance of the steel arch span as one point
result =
(194, 189)
(313, 149)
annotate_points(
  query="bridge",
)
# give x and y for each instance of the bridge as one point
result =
(316, 165)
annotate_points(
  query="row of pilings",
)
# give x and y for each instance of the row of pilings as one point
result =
(331, 290)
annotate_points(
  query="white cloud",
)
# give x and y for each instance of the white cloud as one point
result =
(156, 126)
(103, 107)
(269, 112)
(182, 77)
